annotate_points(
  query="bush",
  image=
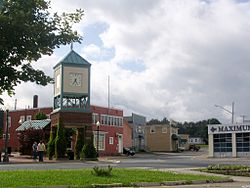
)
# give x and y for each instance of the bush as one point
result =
(102, 171)
(60, 142)
(79, 143)
(88, 152)
(51, 146)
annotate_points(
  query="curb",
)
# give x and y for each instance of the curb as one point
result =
(181, 182)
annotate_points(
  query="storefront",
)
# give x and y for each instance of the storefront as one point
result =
(231, 140)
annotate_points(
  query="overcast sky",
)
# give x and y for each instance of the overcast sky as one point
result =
(165, 58)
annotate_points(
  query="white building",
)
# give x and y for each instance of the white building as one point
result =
(231, 140)
(196, 140)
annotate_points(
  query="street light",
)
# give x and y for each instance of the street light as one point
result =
(6, 156)
(97, 143)
(228, 111)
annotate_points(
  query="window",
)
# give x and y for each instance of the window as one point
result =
(95, 118)
(101, 144)
(29, 117)
(111, 140)
(104, 119)
(22, 119)
(4, 136)
(243, 142)
(222, 143)
(164, 129)
(152, 130)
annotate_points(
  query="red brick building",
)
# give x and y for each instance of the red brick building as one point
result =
(127, 134)
(110, 130)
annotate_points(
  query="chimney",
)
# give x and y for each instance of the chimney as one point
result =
(35, 101)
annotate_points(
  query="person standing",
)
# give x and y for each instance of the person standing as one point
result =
(34, 150)
(41, 149)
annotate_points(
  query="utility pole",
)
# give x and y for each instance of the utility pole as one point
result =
(6, 155)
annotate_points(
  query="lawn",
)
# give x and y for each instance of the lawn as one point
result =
(85, 178)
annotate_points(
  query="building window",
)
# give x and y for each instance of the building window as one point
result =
(152, 130)
(95, 118)
(4, 136)
(243, 142)
(22, 119)
(101, 144)
(223, 143)
(111, 140)
(164, 129)
(29, 117)
(104, 119)
(120, 122)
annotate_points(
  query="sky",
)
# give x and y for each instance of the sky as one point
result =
(165, 58)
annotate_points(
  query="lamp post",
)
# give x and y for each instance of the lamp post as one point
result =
(97, 143)
(228, 111)
(6, 156)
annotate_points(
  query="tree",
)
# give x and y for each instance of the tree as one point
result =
(60, 142)
(27, 31)
(40, 116)
(28, 137)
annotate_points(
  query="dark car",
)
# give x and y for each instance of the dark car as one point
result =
(128, 152)
(193, 147)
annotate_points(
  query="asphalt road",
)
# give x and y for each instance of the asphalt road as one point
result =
(185, 159)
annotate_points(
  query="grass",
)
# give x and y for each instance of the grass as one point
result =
(237, 170)
(84, 177)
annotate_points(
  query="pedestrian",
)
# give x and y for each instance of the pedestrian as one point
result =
(41, 149)
(34, 150)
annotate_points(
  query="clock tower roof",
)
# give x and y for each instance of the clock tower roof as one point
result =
(73, 58)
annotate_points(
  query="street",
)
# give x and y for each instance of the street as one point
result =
(186, 159)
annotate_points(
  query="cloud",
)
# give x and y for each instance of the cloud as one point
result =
(192, 54)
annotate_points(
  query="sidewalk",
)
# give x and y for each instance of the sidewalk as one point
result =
(16, 158)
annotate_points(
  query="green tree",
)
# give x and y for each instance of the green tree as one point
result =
(27, 31)
(79, 142)
(60, 142)
(40, 116)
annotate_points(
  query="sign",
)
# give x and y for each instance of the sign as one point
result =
(231, 128)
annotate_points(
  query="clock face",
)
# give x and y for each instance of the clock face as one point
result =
(75, 79)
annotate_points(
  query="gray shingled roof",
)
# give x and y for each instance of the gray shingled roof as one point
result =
(36, 124)
(74, 58)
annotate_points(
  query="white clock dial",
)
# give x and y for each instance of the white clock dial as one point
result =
(75, 79)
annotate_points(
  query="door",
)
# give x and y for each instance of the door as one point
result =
(120, 144)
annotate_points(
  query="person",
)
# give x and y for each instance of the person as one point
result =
(34, 150)
(41, 149)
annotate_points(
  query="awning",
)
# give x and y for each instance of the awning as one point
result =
(35, 124)
(175, 137)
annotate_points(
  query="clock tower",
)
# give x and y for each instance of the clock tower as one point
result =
(71, 108)
(72, 84)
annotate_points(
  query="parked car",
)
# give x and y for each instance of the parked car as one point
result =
(193, 147)
(128, 152)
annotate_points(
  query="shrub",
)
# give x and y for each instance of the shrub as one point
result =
(60, 142)
(51, 146)
(88, 151)
(79, 143)
(97, 171)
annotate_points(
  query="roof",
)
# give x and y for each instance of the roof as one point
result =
(36, 124)
(73, 58)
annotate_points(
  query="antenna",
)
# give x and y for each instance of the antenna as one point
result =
(108, 92)
(15, 104)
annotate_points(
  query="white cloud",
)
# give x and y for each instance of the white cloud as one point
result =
(195, 54)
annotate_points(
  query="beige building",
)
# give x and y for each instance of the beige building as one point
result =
(184, 141)
(162, 137)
